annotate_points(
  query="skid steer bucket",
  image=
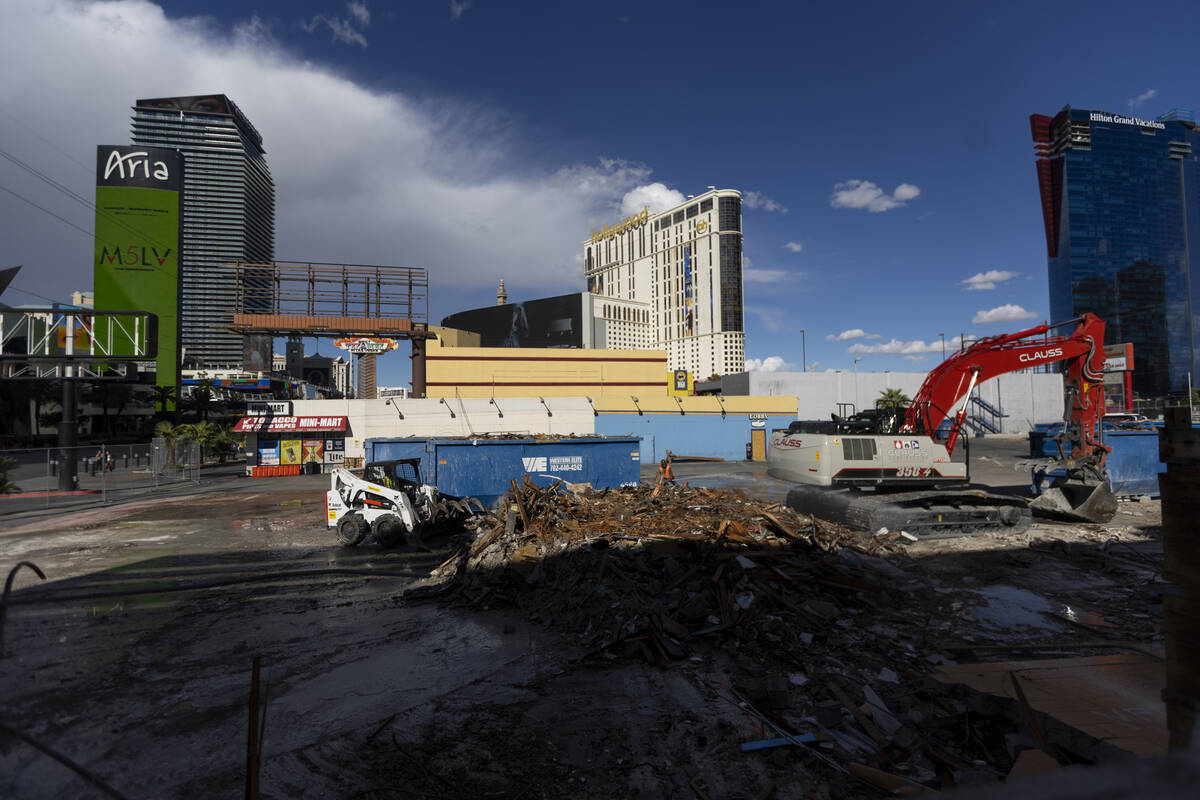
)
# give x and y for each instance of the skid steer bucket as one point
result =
(1076, 499)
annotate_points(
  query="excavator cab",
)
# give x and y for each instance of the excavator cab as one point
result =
(882, 421)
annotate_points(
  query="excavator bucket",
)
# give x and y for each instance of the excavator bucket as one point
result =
(1076, 499)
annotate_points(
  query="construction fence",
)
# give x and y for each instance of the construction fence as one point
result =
(102, 473)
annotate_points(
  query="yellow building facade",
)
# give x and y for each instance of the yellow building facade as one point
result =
(541, 372)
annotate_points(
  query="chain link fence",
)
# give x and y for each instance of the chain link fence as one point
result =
(56, 476)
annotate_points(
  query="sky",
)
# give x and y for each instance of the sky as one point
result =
(883, 149)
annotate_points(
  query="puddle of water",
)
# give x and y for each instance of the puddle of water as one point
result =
(1009, 608)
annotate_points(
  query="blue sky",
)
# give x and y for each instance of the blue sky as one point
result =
(483, 140)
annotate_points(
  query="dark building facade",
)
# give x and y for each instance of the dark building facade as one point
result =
(228, 216)
(546, 322)
(1121, 205)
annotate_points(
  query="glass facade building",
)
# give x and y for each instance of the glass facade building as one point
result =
(1121, 205)
(228, 215)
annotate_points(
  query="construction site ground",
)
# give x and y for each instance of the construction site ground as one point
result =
(133, 657)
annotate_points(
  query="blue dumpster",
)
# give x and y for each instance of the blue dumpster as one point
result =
(483, 468)
(1133, 465)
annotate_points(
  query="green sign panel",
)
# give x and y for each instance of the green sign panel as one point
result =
(137, 246)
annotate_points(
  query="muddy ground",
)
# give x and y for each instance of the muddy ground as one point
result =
(133, 658)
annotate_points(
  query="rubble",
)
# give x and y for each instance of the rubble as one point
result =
(796, 621)
(646, 569)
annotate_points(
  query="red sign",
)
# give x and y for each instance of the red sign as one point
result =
(366, 345)
(289, 424)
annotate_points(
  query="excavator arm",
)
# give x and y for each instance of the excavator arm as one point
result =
(1085, 493)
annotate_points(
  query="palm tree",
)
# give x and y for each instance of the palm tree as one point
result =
(223, 440)
(202, 400)
(162, 396)
(892, 398)
(168, 433)
(202, 433)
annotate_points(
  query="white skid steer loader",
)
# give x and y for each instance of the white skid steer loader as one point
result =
(389, 501)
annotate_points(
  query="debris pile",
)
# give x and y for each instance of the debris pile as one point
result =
(818, 642)
(643, 566)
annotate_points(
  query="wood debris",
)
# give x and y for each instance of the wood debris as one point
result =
(647, 568)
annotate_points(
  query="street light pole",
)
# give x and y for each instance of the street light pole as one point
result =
(803, 350)
(856, 398)
(943, 345)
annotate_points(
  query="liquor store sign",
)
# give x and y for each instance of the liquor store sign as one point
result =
(366, 345)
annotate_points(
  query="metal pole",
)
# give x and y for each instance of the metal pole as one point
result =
(68, 426)
(943, 345)
(857, 401)
(803, 350)
(418, 366)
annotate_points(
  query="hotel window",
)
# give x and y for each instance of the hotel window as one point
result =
(692, 211)
(729, 213)
(677, 217)
(706, 205)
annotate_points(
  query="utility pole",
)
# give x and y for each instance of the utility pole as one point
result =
(803, 350)
(943, 345)
(68, 426)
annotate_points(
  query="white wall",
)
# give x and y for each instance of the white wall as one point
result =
(472, 417)
(1025, 397)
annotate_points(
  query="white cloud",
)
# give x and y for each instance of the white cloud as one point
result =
(761, 201)
(865, 194)
(987, 280)
(751, 274)
(852, 333)
(1005, 313)
(795, 247)
(768, 364)
(898, 347)
(914, 359)
(377, 177)
(763, 275)
(458, 8)
(656, 196)
(1142, 99)
(773, 319)
(360, 12)
(347, 31)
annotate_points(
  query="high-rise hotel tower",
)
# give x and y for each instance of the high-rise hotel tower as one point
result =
(685, 264)
(228, 215)
(1121, 204)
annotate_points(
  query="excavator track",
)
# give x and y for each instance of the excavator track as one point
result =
(935, 514)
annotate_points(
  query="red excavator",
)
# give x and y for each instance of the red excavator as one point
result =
(900, 454)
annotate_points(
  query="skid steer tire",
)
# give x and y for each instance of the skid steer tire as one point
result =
(389, 530)
(351, 530)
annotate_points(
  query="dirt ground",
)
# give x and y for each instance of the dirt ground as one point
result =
(133, 658)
